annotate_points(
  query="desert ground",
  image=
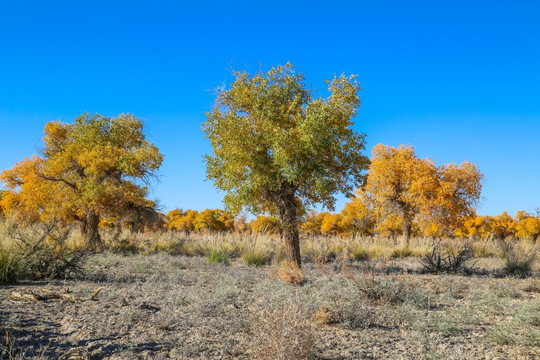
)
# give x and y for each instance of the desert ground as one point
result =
(163, 306)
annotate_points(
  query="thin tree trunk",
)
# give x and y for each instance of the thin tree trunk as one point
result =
(407, 226)
(286, 205)
(90, 230)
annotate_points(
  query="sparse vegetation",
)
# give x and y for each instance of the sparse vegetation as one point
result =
(448, 257)
(186, 307)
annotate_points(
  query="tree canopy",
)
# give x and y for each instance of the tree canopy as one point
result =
(275, 142)
(92, 168)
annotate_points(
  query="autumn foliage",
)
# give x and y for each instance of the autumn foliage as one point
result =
(94, 168)
(403, 188)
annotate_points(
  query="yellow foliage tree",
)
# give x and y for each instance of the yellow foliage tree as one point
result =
(458, 188)
(503, 226)
(332, 224)
(390, 226)
(313, 222)
(213, 220)
(266, 225)
(93, 168)
(528, 226)
(180, 220)
(399, 183)
(359, 216)
(414, 190)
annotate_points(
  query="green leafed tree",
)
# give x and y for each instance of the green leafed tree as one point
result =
(277, 145)
(96, 167)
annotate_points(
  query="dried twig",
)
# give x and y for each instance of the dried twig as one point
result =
(48, 295)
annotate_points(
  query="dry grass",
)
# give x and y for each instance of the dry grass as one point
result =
(290, 273)
(281, 332)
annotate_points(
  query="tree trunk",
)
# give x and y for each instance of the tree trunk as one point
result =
(286, 205)
(407, 226)
(90, 230)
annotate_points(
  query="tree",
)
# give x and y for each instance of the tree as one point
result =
(399, 183)
(528, 226)
(476, 226)
(458, 188)
(274, 143)
(181, 220)
(313, 222)
(93, 168)
(265, 225)
(359, 215)
(332, 224)
(213, 220)
(503, 226)
(437, 199)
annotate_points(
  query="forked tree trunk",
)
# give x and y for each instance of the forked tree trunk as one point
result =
(90, 230)
(286, 205)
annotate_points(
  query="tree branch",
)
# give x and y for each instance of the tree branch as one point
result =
(70, 184)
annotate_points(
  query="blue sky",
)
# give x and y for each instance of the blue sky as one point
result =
(456, 79)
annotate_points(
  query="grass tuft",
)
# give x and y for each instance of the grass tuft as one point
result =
(10, 268)
(215, 256)
(257, 258)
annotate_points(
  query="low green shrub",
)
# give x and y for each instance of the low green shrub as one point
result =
(218, 256)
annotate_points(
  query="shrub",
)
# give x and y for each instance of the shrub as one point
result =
(290, 273)
(47, 263)
(401, 252)
(444, 259)
(505, 249)
(218, 256)
(125, 246)
(10, 268)
(254, 257)
(385, 289)
(519, 264)
(172, 247)
(482, 251)
(361, 254)
(341, 303)
(42, 252)
(281, 332)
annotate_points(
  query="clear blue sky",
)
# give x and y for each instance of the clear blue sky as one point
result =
(457, 79)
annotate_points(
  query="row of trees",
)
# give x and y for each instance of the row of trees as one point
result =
(349, 223)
